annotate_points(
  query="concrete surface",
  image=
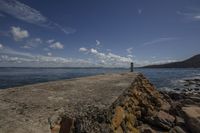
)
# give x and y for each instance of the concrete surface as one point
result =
(27, 109)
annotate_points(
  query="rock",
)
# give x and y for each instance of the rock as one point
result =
(135, 130)
(187, 101)
(146, 129)
(119, 130)
(197, 80)
(176, 89)
(131, 118)
(118, 116)
(195, 99)
(194, 125)
(165, 106)
(192, 116)
(166, 96)
(176, 96)
(177, 129)
(179, 121)
(162, 119)
(138, 114)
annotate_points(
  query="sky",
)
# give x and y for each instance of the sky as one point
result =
(97, 33)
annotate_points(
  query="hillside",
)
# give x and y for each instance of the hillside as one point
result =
(193, 62)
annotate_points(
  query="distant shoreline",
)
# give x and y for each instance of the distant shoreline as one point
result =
(193, 62)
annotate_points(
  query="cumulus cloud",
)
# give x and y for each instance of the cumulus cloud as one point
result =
(27, 14)
(18, 33)
(83, 49)
(130, 56)
(56, 45)
(49, 54)
(109, 59)
(1, 46)
(10, 57)
(129, 50)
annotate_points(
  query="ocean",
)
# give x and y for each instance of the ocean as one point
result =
(163, 79)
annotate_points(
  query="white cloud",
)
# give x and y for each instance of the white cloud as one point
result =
(129, 50)
(159, 40)
(9, 57)
(197, 17)
(57, 45)
(66, 30)
(98, 42)
(25, 13)
(1, 46)
(50, 41)
(38, 40)
(83, 49)
(22, 12)
(109, 50)
(109, 59)
(49, 54)
(18, 33)
(32, 43)
(192, 15)
(130, 56)
(93, 51)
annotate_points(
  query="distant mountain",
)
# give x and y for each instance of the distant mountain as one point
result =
(193, 62)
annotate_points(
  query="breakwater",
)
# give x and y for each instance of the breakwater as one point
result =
(125, 102)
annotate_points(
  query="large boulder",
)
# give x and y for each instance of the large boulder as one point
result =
(192, 116)
(162, 120)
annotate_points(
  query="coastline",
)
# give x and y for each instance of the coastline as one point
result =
(125, 102)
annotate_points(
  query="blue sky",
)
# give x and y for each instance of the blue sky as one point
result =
(110, 33)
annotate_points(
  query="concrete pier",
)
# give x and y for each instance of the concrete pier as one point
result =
(34, 108)
(109, 103)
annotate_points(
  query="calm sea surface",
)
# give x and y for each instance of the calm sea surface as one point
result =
(161, 78)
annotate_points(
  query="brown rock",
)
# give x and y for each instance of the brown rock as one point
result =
(179, 121)
(192, 116)
(146, 129)
(118, 116)
(162, 119)
(55, 129)
(119, 130)
(177, 129)
(138, 114)
(131, 118)
(135, 130)
(165, 106)
(135, 101)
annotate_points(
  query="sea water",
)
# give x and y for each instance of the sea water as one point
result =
(162, 78)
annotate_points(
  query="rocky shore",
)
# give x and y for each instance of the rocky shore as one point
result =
(146, 110)
(113, 103)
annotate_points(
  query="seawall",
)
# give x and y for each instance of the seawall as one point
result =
(125, 102)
